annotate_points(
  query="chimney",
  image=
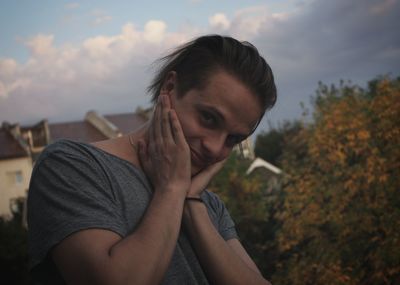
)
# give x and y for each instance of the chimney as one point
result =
(15, 131)
(102, 125)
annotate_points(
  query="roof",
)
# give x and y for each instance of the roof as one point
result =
(79, 131)
(127, 122)
(259, 162)
(9, 147)
(86, 132)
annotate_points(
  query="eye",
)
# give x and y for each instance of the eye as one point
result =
(208, 119)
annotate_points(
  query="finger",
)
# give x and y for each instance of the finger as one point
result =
(151, 134)
(156, 125)
(177, 131)
(217, 166)
(143, 157)
(166, 123)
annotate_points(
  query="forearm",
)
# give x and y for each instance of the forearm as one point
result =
(144, 256)
(221, 263)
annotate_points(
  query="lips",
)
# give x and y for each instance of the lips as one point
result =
(198, 159)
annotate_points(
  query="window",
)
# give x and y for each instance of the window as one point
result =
(18, 177)
(15, 177)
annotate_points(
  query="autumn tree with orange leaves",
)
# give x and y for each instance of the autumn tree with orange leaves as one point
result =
(341, 209)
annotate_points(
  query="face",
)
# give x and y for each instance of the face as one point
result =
(215, 118)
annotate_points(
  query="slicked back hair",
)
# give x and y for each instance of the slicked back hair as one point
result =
(197, 60)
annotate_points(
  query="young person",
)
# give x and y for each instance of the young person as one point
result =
(134, 210)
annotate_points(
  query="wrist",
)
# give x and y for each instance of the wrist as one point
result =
(193, 199)
(193, 203)
(194, 208)
(178, 188)
(166, 193)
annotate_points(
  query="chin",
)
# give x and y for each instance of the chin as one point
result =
(196, 170)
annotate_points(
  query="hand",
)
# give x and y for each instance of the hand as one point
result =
(203, 178)
(166, 157)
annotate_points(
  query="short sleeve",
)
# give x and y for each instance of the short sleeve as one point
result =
(219, 215)
(67, 193)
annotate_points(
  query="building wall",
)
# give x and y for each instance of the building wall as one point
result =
(14, 181)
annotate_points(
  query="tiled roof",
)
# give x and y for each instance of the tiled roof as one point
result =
(38, 133)
(79, 131)
(126, 122)
(9, 147)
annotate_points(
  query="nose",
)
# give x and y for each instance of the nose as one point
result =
(215, 147)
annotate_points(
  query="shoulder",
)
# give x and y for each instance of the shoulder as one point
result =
(212, 199)
(219, 215)
(65, 151)
(213, 203)
(66, 163)
(65, 147)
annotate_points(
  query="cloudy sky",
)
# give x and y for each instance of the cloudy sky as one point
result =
(59, 59)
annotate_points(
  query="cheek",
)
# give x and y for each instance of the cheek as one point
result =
(189, 124)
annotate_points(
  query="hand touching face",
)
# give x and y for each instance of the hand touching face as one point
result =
(165, 158)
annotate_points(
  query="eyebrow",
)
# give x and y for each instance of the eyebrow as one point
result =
(221, 117)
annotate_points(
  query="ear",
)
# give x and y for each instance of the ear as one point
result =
(170, 84)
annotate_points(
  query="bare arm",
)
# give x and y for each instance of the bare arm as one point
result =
(97, 256)
(225, 262)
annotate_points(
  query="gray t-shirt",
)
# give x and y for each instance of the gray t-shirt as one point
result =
(76, 186)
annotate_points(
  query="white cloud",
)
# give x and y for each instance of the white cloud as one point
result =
(328, 41)
(154, 31)
(8, 67)
(219, 21)
(281, 16)
(108, 73)
(321, 40)
(15, 85)
(244, 25)
(3, 92)
(41, 45)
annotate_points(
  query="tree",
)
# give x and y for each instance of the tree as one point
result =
(13, 251)
(269, 145)
(247, 200)
(341, 211)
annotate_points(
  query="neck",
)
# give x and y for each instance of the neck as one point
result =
(131, 143)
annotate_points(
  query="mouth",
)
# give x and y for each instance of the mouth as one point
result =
(198, 159)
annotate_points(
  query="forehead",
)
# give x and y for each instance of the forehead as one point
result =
(238, 105)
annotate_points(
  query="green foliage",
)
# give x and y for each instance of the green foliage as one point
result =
(247, 199)
(13, 252)
(269, 145)
(341, 211)
(336, 219)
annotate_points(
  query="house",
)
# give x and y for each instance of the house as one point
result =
(271, 173)
(15, 168)
(20, 147)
